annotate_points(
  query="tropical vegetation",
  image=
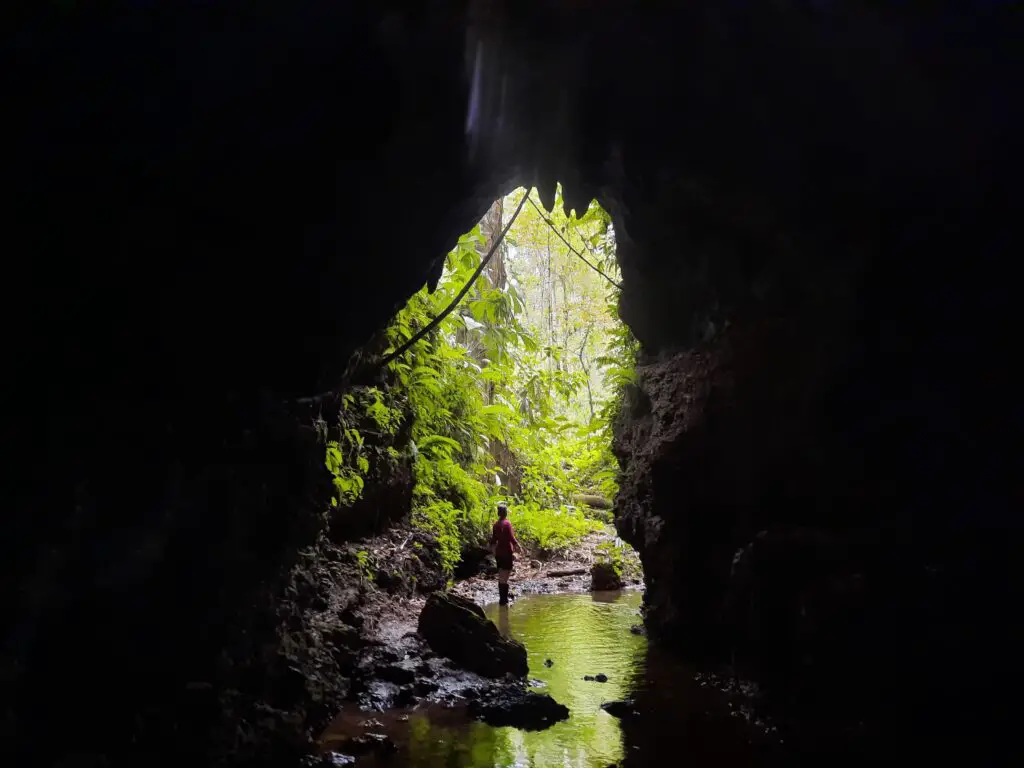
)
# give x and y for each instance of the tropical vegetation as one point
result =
(513, 395)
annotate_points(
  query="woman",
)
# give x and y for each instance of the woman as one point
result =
(504, 543)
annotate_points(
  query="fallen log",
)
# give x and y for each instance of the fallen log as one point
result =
(592, 500)
(570, 572)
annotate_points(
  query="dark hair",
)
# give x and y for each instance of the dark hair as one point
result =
(502, 510)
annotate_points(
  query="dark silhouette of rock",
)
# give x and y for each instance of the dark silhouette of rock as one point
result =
(601, 678)
(397, 673)
(619, 709)
(473, 559)
(604, 576)
(548, 663)
(457, 628)
(519, 708)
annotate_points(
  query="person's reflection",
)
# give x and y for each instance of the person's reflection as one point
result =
(503, 621)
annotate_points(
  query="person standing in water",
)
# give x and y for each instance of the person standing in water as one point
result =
(505, 544)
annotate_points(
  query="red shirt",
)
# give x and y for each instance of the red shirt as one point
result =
(502, 537)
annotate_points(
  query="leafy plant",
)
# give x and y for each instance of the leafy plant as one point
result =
(363, 562)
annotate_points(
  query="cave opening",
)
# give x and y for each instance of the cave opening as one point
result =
(497, 383)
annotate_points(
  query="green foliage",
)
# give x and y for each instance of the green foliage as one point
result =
(547, 529)
(347, 458)
(363, 561)
(347, 473)
(622, 559)
(446, 522)
(511, 397)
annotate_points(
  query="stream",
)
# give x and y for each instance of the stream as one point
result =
(679, 717)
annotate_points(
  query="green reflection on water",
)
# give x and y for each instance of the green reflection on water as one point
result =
(582, 635)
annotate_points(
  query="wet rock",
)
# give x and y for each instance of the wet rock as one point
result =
(327, 760)
(638, 629)
(619, 709)
(518, 708)
(604, 576)
(345, 637)
(588, 678)
(425, 687)
(406, 696)
(457, 628)
(472, 561)
(335, 759)
(548, 663)
(601, 678)
(378, 696)
(400, 674)
(350, 617)
(370, 742)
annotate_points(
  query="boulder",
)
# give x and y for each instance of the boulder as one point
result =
(473, 560)
(457, 628)
(519, 708)
(400, 673)
(619, 709)
(604, 576)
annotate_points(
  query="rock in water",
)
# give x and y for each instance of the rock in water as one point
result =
(457, 628)
(619, 708)
(604, 576)
(519, 708)
(327, 760)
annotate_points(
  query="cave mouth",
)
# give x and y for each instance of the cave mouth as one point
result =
(500, 383)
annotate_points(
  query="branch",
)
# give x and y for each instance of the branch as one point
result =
(569, 246)
(458, 297)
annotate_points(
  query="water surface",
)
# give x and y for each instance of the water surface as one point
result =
(678, 722)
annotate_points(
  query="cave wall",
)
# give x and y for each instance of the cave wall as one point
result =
(813, 471)
(215, 205)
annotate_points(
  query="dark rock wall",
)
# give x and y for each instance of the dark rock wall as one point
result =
(814, 474)
(213, 205)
